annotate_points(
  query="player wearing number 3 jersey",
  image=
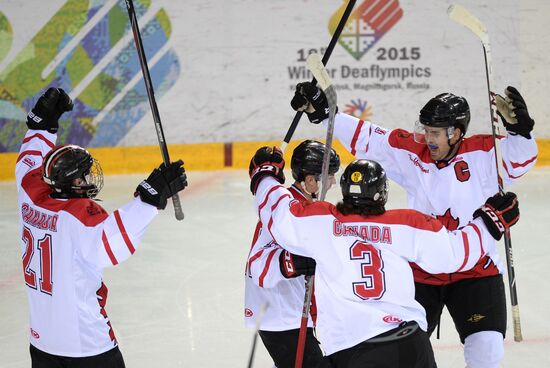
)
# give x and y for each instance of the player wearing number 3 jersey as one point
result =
(67, 239)
(367, 314)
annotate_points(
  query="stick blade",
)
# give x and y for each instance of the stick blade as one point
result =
(317, 68)
(462, 16)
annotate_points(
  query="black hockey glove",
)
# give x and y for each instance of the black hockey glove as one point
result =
(513, 112)
(312, 100)
(162, 184)
(266, 161)
(293, 265)
(48, 109)
(499, 213)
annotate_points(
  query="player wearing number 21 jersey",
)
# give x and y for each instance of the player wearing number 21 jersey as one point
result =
(363, 282)
(68, 239)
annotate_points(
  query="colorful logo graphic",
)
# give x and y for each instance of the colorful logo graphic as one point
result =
(86, 48)
(366, 25)
(359, 109)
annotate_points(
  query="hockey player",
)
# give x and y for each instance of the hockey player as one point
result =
(447, 175)
(275, 277)
(68, 239)
(367, 314)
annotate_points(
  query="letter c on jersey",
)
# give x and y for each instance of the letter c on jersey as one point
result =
(462, 171)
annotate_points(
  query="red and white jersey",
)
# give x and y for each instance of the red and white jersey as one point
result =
(265, 285)
(363, 282)
(449, 192)
(65, 244)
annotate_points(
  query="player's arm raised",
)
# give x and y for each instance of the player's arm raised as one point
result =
(460, 250)
(43, 123)
(519, 149)
(361, 138)
(274, 200)
(111, 239)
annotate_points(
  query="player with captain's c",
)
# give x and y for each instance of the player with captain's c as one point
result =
(447, 175)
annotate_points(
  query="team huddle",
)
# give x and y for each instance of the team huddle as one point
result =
(382, 276)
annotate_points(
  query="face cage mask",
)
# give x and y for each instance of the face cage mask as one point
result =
(94, 182)
(419, 132)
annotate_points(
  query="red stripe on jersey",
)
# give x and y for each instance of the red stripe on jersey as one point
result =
(267, 196)
(253, 258)
(266, 267)
(297, 194)
(88, 212)
(123, 232)
(367, 146)
(466, 250)
(41, 137)
(478, 232)
(356, 136)
(29, 152)
(508, 172)
(515, 165)
(108, 249)
(405, 217)
(273, 209)
(401, 139)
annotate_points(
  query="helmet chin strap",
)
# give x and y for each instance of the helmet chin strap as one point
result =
(313, 195)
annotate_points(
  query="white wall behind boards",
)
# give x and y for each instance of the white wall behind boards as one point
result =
(238, 62)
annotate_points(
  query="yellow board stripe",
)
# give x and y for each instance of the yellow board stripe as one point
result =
(201, 156)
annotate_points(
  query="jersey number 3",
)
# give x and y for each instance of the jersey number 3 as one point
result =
(372, 271)
(44, 245)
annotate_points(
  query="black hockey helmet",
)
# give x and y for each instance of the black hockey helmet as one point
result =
(446, 110)
(64, 164)
(364, 183)
(307, 159)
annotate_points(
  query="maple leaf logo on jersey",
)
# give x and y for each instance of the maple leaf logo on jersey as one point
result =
(451, 223)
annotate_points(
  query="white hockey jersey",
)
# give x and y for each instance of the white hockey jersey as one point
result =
(363, 281)
(65, 244)
(450, 192)
(265, 285)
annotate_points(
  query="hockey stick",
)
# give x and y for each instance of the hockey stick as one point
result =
(326, 56)
(463, 17)
(151, 94)
(317, 68)
(263, 308)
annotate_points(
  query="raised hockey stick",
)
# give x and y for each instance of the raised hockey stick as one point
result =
(326, 56)
(151, 94)
(317, 68)
(462, 16)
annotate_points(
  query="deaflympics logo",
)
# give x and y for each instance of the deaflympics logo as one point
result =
(359, 108)
(366, 25)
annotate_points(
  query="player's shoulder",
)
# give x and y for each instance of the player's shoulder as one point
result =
(478, 142)
(306, 209)
(409, 217)
(403, 139)
(87, 211)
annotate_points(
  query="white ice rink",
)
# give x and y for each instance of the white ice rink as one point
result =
(178, 302)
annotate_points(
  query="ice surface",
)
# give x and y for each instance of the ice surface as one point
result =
(178, 302)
